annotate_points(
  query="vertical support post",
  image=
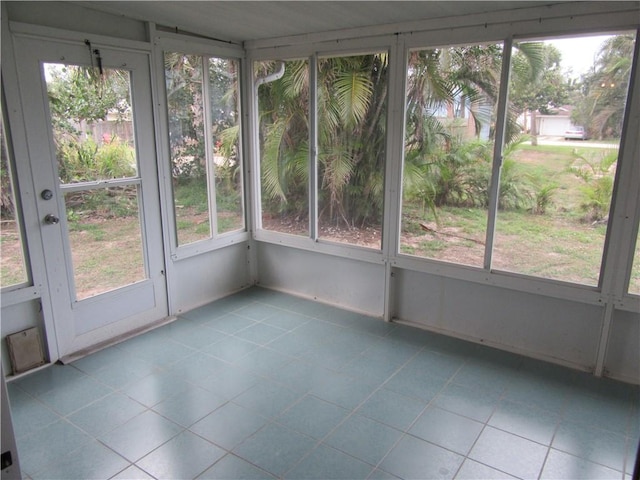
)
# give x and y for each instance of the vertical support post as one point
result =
(619, 244)
(252, 164)
(208, 149)
(498, 145)
(392, 223)
(313, 147)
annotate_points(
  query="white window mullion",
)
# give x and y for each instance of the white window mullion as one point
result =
(313, 147)
(498, 147)
(208, 149)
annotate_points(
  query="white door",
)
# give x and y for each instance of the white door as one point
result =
(88, 114)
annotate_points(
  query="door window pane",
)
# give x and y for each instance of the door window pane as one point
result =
(451, 102)
(105, 239)
(283, 112)
(12, 260)
(92, 123)
(569, 96)
(92, 126)
(352, 119)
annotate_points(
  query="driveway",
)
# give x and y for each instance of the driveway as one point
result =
(553, 140)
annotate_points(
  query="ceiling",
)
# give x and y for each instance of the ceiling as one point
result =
(239, 21)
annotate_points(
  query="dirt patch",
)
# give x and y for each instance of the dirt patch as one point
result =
(368, 236)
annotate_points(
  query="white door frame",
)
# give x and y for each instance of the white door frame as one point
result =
(82, 324)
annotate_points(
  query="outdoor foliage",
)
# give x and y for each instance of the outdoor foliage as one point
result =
(352, 93)
(601, 95)
(87, 161)
(597, 171)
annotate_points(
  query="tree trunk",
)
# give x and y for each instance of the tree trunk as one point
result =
(534, 129)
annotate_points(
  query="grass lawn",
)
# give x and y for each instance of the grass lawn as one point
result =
(559, 244)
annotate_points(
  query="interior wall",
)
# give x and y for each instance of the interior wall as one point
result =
(76, 18)
(340, 281)
(552, 329)
(200, 279)
(623, 352)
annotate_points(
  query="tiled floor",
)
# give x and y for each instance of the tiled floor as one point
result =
(264, 385)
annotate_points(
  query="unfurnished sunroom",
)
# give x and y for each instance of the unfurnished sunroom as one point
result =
(387, 159)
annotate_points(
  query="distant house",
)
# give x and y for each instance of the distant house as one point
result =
(553, 124)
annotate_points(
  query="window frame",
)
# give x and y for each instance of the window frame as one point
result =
(17, 198)
(176, 43)
(428, 35)
(311, 53)
(507, 278)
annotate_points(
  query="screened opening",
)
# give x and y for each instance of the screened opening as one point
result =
(451, 99)
(568, 95)
(203, 104)
(283, 112)
(352, 116)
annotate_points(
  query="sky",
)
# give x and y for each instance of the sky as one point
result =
(578, 53)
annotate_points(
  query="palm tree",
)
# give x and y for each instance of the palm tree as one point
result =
(351, 95)
(609, 85)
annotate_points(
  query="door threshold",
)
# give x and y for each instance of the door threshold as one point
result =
(72, 357)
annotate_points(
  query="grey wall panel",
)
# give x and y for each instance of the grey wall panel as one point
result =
(623, 352)
(74, 17)
(208, 276)
(351, 284)
(16, 318)
(552, 329)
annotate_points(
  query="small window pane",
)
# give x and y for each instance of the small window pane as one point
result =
(569, 96)
(184, 77)
(451, 112)
(224, 98)
(283, 109)
(12, 260)
(634, 283)
(352, 120)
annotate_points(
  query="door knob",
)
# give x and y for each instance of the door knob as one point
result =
(51, 219)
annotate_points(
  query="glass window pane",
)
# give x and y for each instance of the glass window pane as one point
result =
(12, 260)
(105, 239)
(92, 122)
(183, 75)
(352, 119)
(634, 283)
(556, 185)
(451, 110)
(224, 100)
(283, 109)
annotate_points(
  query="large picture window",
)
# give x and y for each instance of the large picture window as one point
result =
(204, 134)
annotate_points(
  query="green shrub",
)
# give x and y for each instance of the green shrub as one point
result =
(86, 161)
(596, 170)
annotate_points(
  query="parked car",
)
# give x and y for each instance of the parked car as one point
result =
(576, 133)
